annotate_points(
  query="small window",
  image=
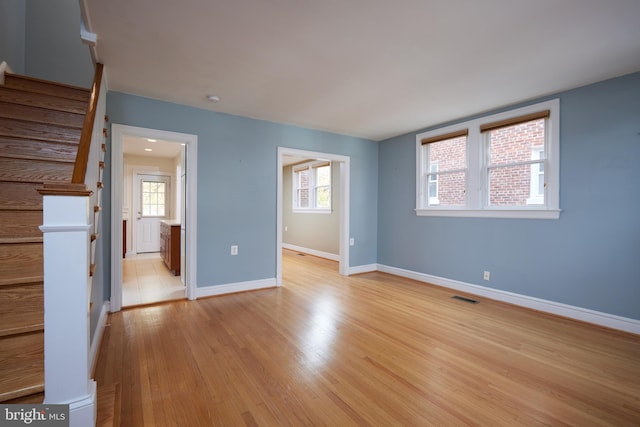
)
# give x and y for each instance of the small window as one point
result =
(445, 181)
(516, 163)
(153, 199)
(312, 187)
(504, 166)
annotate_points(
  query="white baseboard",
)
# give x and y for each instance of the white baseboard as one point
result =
(313, 252)
(97, 336)
(565, 310)
(83, 412)
(359, 269)
(231, 288)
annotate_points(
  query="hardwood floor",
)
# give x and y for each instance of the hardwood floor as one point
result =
(371, 349)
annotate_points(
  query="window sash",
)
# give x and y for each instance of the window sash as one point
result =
(311, 191)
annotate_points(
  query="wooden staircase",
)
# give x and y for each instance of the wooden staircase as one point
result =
(40, 127)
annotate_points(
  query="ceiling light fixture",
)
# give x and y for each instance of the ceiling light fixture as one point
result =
(213, 98)
(152, 140)
(148, 149)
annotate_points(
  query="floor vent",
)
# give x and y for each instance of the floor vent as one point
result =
(300, 254)
(472, 301)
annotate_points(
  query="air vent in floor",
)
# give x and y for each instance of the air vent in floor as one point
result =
(465, 299)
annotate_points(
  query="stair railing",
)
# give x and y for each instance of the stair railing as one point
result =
(70, 230)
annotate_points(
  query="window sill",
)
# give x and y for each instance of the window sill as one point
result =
(313, 211)
(492, 213)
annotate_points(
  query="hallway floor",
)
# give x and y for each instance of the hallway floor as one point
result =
(145, 280)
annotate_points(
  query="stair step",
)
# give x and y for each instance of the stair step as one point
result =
(20, 196)
(21, 308)
(13, 240)
(21, 365)
(35, 85)
(36, 399)
(18, 96)
(18, 148)
(40, 115)
(20, 224)
(40, 131)
(22, 170)
(21, 263)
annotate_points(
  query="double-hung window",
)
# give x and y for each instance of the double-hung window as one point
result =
(505, 165)
(312, 187)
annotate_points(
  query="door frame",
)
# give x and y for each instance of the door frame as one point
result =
(344, 185)
(118, 132)
(136, 200)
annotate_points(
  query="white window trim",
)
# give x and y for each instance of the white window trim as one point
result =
(312, 188)
(476, 183)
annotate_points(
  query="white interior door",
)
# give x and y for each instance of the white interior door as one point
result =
(153, 202)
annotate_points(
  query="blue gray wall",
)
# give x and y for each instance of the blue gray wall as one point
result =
(13, 33)
(41, 38)
(54, 50)
(588, 258)
(237, 170)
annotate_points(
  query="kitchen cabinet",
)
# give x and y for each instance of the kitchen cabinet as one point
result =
(170, 245)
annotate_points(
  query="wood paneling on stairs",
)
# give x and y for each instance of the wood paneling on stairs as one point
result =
(40, 127)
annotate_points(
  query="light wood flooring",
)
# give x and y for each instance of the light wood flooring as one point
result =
(145, 280)
(371, 349)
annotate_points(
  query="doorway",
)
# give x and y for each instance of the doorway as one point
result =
(182, 203)
(343, 162)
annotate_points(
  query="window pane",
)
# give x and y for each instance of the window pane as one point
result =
(511, 185)
(303, 198)
(303, 178)
(450, 154)
(323, 176)
(153, 198)
(446, 189)
(450, 190)
(323, 197)
(515, 143)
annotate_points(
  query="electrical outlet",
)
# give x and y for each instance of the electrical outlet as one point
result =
(487, 275)
(352, 241)
(234, 250)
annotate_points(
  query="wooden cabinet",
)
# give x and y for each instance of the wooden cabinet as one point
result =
(170, 246)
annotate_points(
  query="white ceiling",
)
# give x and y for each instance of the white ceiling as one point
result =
(367, 68)
(136, 146)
